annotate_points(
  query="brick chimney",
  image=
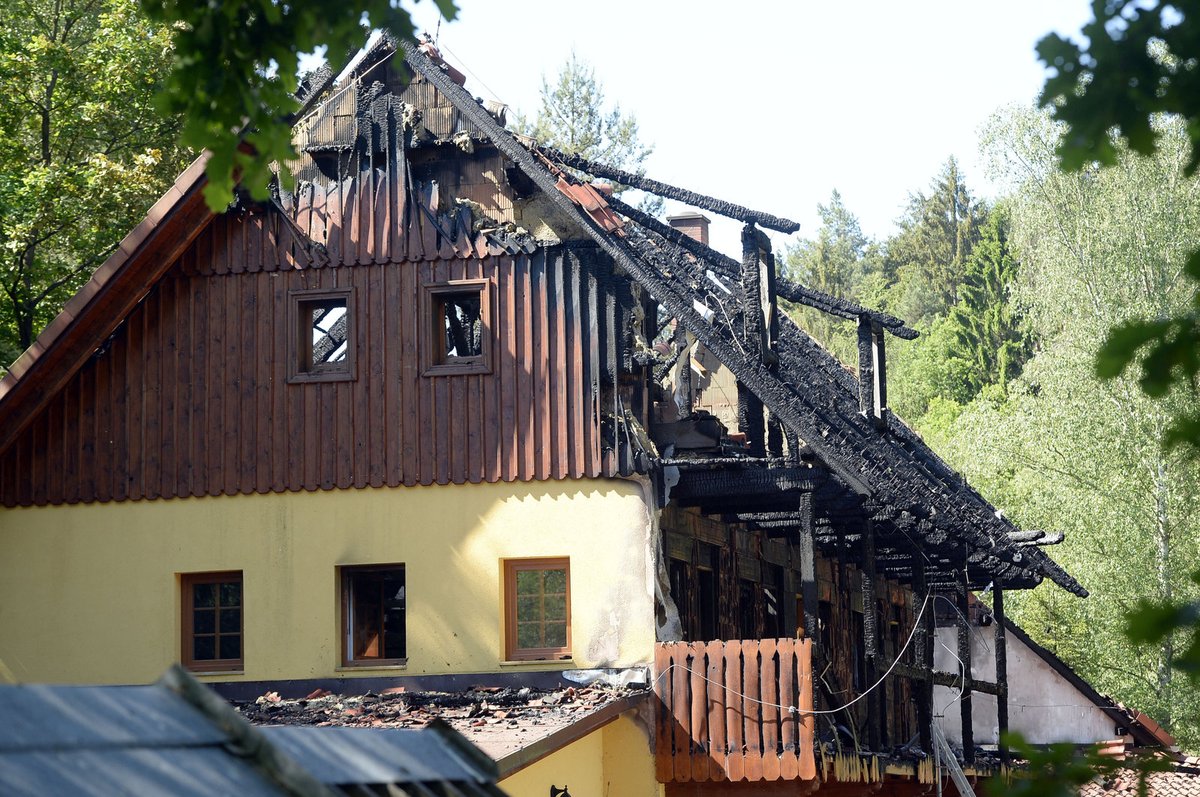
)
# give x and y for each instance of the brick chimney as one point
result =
(691, 224)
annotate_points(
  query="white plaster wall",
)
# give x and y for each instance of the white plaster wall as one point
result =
(1042, 705)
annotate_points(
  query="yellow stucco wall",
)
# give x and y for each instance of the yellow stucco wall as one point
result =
(612, 761)
(90, 593)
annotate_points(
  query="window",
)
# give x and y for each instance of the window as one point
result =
(537, 596)
(458, 318)
(212, 621)
(373, 615)
(323, 343)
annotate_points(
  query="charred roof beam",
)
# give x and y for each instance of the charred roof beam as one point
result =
(683, 195)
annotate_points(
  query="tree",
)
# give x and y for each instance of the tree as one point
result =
(83, 153)
(987, 330)
(234, 75)
(574, 119)
(1066, 450)
(837, 261)
(927, 258)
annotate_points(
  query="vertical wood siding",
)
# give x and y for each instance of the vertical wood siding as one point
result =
(190, 396)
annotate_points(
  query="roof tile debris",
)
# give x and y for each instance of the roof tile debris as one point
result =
(498, 720)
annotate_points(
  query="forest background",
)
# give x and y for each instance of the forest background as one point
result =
(1013, 299)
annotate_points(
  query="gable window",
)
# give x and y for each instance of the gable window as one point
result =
(373, 615)
(458, 322)
(322, 347)
(537, 597)
(212, 620)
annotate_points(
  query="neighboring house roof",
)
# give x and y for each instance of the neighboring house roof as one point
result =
(177, 738)
(886, 476)
(1182, 781)
(515, 727)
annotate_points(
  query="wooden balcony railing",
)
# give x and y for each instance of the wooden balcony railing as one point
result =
(734, 710)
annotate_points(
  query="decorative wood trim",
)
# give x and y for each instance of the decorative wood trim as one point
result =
(511, 568)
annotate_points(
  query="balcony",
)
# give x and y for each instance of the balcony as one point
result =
(735, 710)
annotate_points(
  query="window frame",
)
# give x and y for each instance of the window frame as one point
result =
(300, 366)
(511, 651)
(434, 358)
(345, 578)
(187, 636)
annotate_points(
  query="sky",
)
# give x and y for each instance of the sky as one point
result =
(773, 105)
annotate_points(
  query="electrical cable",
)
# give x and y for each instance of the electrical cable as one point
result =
(812, 712)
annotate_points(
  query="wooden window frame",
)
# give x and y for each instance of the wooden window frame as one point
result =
(186, 582)
(345, 578)
(434, 361)
(300, 366)
(511, 568)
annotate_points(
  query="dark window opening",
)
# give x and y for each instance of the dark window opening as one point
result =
(374, 607)
(772, 592)
(212, 621)
(323, 347)
(457, 317)
(747, 614)
(677, 571)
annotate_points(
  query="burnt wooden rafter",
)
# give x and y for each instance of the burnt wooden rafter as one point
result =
(807, 394)
(786, 289)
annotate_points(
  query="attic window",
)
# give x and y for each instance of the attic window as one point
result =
(323, 343)
(458, 321)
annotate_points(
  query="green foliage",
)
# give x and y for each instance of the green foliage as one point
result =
(1139, 60)
(234, 75)
(837, 262)
(927, 258)
(1056, 770)
(575, 119)
(1155, 622)
(83, 154)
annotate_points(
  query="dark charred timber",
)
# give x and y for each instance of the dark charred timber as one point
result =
(875, 716)
(728, 267)
(720, 463)
(1032, 535)
(1046, 538)
(923, 655)
(949, 679)
(1001, 668)
(879, 360)
(808, 571)
(701, 201)
(964, 657)
(699, 486)
(898, 466)
(866, 369)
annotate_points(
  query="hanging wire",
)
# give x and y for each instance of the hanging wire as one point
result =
(794, 709)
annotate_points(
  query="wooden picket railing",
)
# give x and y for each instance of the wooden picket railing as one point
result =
(734, 710)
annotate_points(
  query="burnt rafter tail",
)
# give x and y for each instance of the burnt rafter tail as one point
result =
(754, 375)
(701, 201)
(1047, 538)
(786, 289)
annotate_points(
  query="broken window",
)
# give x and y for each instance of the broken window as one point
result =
(324, 335)
(212, 620)
(459, 328)
(373, 611)
(537, 597)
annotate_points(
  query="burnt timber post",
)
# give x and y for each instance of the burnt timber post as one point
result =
(924, 653)
(1001, 670)
(872, 371)
(808, 576)
(761, 325)
(870, 635)
(964, 655)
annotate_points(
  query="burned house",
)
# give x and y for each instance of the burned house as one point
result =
(444, 412)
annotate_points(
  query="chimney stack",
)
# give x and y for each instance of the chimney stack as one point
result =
(694, 225)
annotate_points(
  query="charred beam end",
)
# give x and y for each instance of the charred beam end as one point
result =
(728, 267)
(672, 192)
(1032, 535)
